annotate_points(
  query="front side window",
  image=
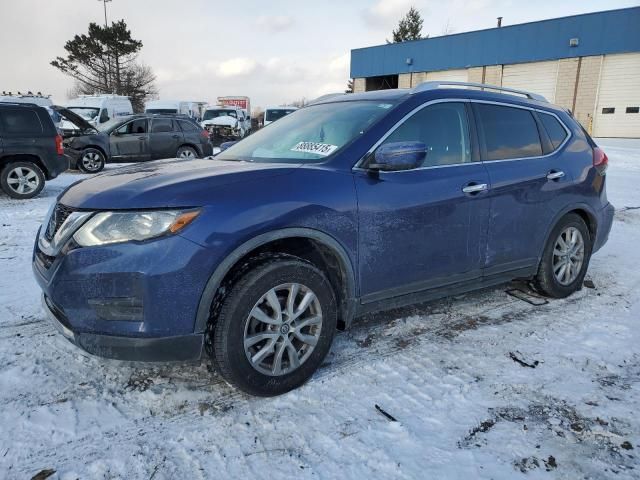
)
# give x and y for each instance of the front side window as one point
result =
(160, 125)
(554, 129)
(509, 132)
(443, 128)
(309, 135)
(135, 127)
(274, 114)
(20, 121)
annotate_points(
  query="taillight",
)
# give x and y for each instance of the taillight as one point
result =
(59, 147)
(205, 134)
(600, 160)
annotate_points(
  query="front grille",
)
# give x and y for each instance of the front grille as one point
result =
(59, 215)
(45, 260)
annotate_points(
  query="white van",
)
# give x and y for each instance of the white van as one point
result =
(191, 108)
(97, 109)
(271, 114)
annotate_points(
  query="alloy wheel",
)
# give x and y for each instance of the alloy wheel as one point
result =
(91, 161)
(568, 256)
(282, 329)
(23, 180)
(187, 154)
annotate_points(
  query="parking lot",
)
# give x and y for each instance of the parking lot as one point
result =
(482, 385)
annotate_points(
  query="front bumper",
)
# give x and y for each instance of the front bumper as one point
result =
(166, 349)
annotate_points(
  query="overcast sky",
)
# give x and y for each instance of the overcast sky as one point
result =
(274, 51)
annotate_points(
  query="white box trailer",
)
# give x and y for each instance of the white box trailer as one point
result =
(193, 109)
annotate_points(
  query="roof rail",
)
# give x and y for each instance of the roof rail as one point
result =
(435, 84)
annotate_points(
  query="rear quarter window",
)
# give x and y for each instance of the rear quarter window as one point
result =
(508, 132)
(554, 129)
(188, 126)
(20, 121)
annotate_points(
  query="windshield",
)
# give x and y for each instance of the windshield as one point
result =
(209, 114)
(310, 134)
(161, 110)
(110, 125)
(274, 114)
(88, 113)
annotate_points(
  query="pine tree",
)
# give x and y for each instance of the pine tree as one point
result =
(104, 61)
(349, 86)
(409, 27)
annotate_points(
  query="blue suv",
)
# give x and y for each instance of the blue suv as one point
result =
(356, 203)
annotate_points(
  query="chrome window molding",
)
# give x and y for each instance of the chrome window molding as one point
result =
(71, 224)
(358, 166)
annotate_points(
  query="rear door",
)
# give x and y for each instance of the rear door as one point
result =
(529, 182)
(165, 138)
(130, 142)
(424, 228)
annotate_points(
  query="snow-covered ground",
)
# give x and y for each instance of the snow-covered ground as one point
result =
(480, 385)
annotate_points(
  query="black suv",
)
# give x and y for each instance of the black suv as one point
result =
(30, 149)
(133, 138)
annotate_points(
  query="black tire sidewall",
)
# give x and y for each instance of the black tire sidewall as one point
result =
(229, 330)
(80, 165)
(546, 278)
(13, 194)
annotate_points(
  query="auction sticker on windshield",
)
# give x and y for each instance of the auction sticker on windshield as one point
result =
(323, 149)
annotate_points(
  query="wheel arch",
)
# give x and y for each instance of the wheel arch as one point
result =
(190, 145)
(584, 211)
(25, 157)
(328, 248)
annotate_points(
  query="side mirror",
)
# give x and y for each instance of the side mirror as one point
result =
(399, 156)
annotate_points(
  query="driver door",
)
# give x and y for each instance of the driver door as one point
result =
(424, 228)
(130, 142)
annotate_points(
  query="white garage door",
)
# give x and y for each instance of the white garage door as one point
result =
(536, 77)
(617, 111)
(450, 75)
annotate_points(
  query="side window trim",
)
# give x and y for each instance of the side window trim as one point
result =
(359, 166)
(534, 111)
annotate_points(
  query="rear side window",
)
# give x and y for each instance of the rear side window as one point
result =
(160, 125)
(554, 129)
(443, 128)
(20, 121)
(508, 132)
(188, 126)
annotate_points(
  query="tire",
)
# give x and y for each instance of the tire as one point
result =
(186, 153)
(236, 321)
(552, 279)
(92, 160)
(22, 180)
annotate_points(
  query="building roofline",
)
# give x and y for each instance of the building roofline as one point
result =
(515, 25)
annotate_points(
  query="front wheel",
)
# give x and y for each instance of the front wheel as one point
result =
(22, 180)
(274, 327)
(91, 161)
(566, 257)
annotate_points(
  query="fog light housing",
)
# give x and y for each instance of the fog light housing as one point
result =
(120, 309)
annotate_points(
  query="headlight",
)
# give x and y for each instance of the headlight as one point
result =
(114, 227)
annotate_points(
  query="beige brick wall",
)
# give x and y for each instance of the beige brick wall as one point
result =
(418, 78)
(404, 80)
(474, 74)
(493, 75)
(566, 81)
(587, 90)
(359, 85)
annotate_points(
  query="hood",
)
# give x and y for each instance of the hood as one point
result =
(225, 121)
(166, 183)
(74, 118)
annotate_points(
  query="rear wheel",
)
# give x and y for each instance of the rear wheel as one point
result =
(274, 327)
(566, 258)
(22, 180)
(91, 161)
(186, 153)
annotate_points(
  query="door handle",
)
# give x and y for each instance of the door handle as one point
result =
(475, 188)
(142, 138)
(176, 136)
(555, 175)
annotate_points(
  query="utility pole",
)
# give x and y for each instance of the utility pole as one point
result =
(104, 2)
(109, 78)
